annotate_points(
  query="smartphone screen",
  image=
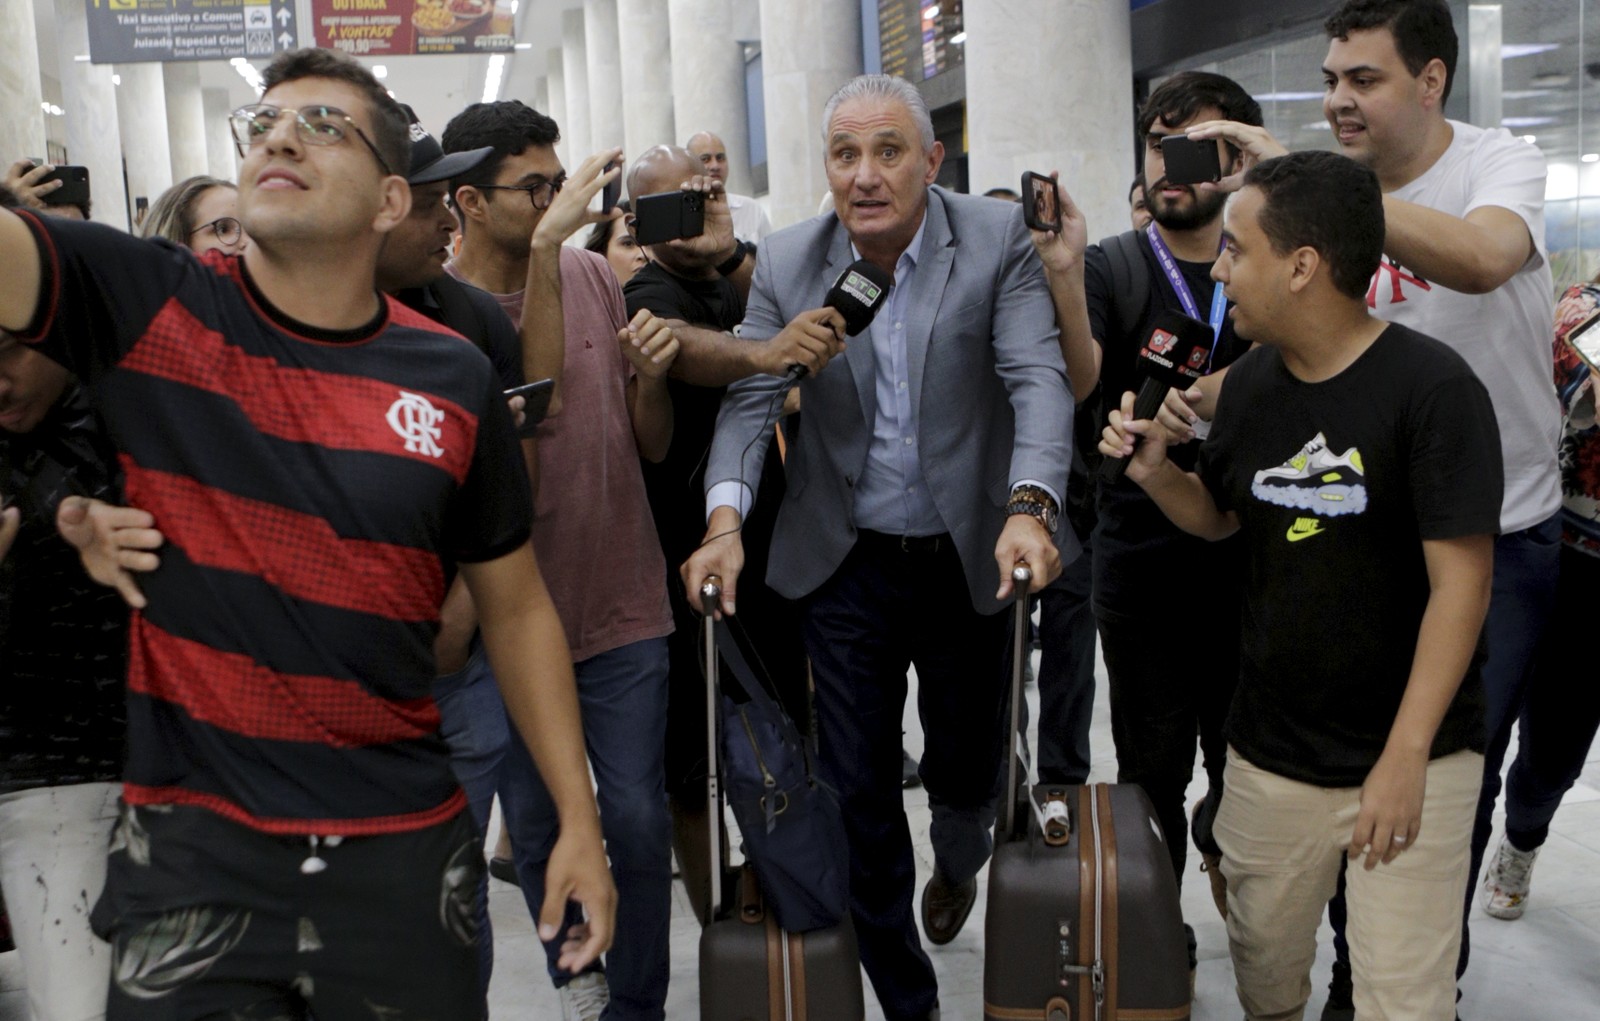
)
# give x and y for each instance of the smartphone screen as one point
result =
(1039, 206)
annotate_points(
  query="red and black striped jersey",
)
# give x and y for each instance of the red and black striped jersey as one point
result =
(315, 489)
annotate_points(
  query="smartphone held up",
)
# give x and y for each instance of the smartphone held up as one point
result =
(1040, 208)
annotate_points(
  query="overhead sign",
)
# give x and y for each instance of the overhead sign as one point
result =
(133, 31)
(382, 28)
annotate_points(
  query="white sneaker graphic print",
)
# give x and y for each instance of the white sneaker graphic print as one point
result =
(1317, 480)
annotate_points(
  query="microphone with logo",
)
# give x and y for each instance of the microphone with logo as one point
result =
(857, 295)
(1175, 355)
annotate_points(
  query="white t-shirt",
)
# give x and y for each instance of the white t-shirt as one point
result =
(1505, 334)
(750, 221)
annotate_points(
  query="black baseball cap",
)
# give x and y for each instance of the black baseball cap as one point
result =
(429, 162)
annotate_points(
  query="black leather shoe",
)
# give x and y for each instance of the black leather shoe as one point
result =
(945, 908)
(1340, 1005)
(909, 777)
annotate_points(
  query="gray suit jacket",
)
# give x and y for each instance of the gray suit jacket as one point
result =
(988, 389)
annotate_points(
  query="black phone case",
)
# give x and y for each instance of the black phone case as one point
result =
(1189, 161)
(669, 215)
(75, 189)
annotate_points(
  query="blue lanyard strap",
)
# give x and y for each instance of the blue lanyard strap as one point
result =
(1169, 266)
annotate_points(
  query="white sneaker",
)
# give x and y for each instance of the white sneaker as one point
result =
(1505, 884)
(585, 997)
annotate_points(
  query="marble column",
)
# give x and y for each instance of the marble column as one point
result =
(142, 118)
(808, 50)
(644, 31)
(222, 156)
(556, 97)
(21, 118)
(575, 71)
(605, 73)
(90, 102)
(708, 91)
(1074, 48)
(539, 98)
(186, 119)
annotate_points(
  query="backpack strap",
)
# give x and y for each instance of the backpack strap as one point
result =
(1130, 281)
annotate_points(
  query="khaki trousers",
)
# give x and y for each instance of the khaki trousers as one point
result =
(1282, 842)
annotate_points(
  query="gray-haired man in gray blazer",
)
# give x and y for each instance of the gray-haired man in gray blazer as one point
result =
(924, 468)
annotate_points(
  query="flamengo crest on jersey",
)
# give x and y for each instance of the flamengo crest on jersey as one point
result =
(417, 422)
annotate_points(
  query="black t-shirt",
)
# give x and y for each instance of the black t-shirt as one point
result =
(473, 313)
(1137, 550)
(675, 485)
(63, 638)
(312, 486)
(1336, 485)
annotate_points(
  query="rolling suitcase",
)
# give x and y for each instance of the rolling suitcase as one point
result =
(1082, 921)
(750, 968)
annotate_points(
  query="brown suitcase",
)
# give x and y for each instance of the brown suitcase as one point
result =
(1083, 921)
(750, 969)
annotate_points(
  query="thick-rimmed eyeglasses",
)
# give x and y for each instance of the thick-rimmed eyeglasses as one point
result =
(226, 228)
(314, 125)
(541, 194)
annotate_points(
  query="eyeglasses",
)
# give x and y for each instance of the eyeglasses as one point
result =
(226, 228)
(541, 194)
(314, 125)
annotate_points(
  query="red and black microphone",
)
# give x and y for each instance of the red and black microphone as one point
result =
(1174, 356)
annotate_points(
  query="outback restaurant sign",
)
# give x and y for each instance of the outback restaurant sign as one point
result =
(383, 28)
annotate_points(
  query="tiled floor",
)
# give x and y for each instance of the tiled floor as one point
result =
(1544, 967)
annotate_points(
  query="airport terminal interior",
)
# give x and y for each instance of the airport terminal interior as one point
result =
(140, 93)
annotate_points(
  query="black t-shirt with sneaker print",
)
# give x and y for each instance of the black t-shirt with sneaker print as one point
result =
(1336, 485)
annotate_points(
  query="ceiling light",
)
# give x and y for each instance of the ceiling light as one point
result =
(524, 46)
(491, 78)
(116, 79)
(515, 5)
(958, 39)
(931, 12)
(1317, 126)
(380, 71)
(1526, 93)
(1286, 97)
(1525, 122)
(1530, 139)
(82, 58)
(1590, 157)
(1513, 50)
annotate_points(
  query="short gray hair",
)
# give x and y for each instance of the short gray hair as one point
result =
(882, 86)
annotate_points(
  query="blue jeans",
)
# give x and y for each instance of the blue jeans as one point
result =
(1561, 713)
(1524, 595)
(623, 697)
(472, 721)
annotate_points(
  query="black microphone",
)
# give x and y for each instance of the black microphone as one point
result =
(1175, 355)
(857, 295)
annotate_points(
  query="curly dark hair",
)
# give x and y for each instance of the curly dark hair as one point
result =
(509, 126)
(391, 130)
(1325, 201)
(1422, 30)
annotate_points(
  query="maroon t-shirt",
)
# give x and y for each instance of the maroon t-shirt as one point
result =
(592, 529)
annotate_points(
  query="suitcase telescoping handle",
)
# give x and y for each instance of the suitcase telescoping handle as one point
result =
(1021, 582)
(710, 596)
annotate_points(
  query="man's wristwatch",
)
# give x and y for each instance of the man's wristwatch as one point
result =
(731, 265)
(1036, 503)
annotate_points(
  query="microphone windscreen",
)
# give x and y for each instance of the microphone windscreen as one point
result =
(858, 294)
(1177, 350)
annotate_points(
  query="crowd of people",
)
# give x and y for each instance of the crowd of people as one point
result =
(296, 584)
